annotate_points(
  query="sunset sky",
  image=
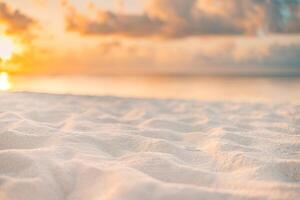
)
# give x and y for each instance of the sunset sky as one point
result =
(151, 36)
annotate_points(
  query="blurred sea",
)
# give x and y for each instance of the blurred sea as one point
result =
(219, 88)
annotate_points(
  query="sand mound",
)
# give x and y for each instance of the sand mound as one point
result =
(63, 147)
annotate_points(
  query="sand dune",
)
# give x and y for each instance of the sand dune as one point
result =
(63, 147)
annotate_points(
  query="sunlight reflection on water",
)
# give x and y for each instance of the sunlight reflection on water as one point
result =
(4, 81)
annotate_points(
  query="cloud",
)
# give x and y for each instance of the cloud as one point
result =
(14, 20)
(166, 18)
(284, 16)
(134, 57)
(201, 59)
(259, 56)
(276, 56)
(184, 18)
(108, 23)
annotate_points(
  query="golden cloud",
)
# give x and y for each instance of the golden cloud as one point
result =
(14, 21)
(184, 18)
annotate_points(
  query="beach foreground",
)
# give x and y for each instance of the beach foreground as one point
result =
(64, 147)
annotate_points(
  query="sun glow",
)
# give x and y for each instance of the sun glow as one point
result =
(6, 47)
(4, 81)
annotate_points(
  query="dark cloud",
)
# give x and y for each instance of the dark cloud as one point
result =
(166, 18)
(14, 20)
(279, 56)
(262, 56)
(183, 18)
(283, 16)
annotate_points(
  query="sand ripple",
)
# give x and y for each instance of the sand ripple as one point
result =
(63, 147)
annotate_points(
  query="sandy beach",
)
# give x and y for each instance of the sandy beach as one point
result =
(149, 100)
(66, 147)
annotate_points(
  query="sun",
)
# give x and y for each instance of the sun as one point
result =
(6, 47)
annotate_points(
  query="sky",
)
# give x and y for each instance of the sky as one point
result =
(178, 37)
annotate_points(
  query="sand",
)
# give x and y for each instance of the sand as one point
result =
(64, 147)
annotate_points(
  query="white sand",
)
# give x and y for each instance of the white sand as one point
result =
(60, 147)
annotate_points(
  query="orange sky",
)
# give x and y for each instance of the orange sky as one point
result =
(151, 36)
